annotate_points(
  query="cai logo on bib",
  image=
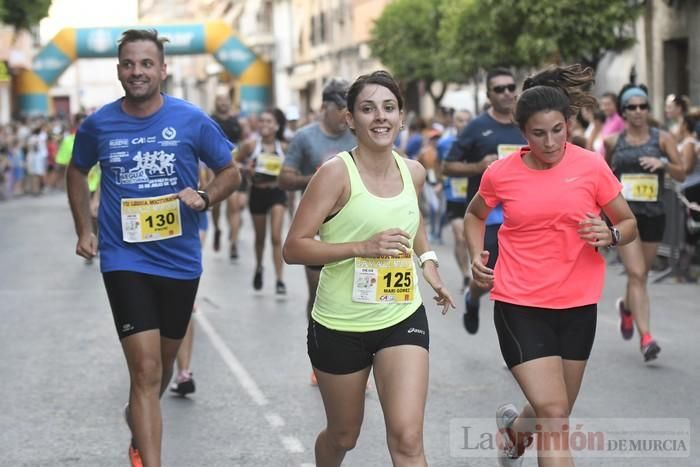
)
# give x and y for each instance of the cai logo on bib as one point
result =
(169, 133)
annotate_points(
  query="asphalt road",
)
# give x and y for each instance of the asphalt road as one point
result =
(64, 381)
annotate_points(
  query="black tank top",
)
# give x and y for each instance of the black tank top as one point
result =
(625, 161)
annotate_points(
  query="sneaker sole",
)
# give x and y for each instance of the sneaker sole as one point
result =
(652, 352)
(627, 334)
(184, 388)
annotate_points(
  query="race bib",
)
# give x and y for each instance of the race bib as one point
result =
(504, 150)
(268, 164)
(640, 187)
(459, 186)
(151, 219)
(383, 280)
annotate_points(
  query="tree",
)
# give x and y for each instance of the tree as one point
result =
(405, 39)
(527, 33)
(23, 14)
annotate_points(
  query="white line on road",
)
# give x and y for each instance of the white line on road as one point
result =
(292, 444)
(274, 420)
(231, 361)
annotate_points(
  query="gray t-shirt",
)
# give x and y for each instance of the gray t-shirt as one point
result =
(311, 147)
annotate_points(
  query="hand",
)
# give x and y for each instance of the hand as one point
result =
(488, 160)
(432, 277)
(482, 275)
(594, 231)
(391, 242)
(87, 246)
(652, 164)
(192, 199)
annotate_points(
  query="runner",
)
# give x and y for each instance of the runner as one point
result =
(455, 189)
(640, 156)
(184, 381)
(309, 149)
(368, 311)
(235, 203)
(552, 193)
(147, 145)
(489, 136)
(264, 156)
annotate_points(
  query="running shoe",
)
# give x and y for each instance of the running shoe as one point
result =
(134, 456)
(280, 288)
(217, 239)
(626, 320)
(465, 283)
(257, 279)
(649, 348)
(508, 453)
(233, 253)
(183, 384)
(471, 314)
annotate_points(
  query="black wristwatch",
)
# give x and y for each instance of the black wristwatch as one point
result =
(615, 235)
(205, 197)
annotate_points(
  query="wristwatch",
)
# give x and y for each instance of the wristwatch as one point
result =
(428, 256)
(205, 197)
(616, 236)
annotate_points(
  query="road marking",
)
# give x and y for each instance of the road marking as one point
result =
(274, 420)
(292, 444)
(241, 374)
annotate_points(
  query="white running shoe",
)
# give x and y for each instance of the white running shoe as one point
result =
(508, 454)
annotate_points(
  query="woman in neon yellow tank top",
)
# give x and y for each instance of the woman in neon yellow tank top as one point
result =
(368, 310)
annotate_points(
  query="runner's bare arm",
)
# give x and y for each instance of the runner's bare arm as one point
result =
(79, 200)
(467, 169)
(474, 229)
(225, 181)
(292, 179)
(675, 166)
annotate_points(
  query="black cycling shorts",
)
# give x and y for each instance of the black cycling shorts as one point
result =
(261, 200)
(651, 228)
(141, 302)
(342, 352)
(528, 333)
(455, 210)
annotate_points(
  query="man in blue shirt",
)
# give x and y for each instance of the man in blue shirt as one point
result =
(491, 135)
(148, 146)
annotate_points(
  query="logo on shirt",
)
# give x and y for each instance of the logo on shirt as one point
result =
(486, 133)
(153, 169)
(118, 143)
(571, 179)
(169, 133)
(143, 139)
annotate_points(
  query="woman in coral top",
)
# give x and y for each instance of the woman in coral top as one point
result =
(549, 275)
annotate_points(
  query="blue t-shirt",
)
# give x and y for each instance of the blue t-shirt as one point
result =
(145, 157)
(413, 146)
(481, 137)
(443, 148)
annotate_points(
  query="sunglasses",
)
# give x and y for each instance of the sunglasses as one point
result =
(502, 89)
(633, 107)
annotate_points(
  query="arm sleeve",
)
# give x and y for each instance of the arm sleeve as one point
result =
(293, 156)
(608, 186)
(487, 190)
(214, 147)
(85, 148)
(462, 146)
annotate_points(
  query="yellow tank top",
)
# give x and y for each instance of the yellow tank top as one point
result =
(367, 294)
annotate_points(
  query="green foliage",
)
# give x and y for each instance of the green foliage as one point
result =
(527, 33)
(405, 39)
(23, 13)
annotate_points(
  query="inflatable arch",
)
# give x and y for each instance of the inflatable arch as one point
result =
(214, 37)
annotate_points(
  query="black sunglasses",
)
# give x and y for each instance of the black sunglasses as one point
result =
(502, 89)
(633, 107)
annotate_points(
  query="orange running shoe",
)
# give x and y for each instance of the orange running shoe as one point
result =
(134, 456)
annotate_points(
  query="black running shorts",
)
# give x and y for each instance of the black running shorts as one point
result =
(141, 302)
(528, 333)
(651, 228)
(455, 210)
(261, 200)
(341, 352)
